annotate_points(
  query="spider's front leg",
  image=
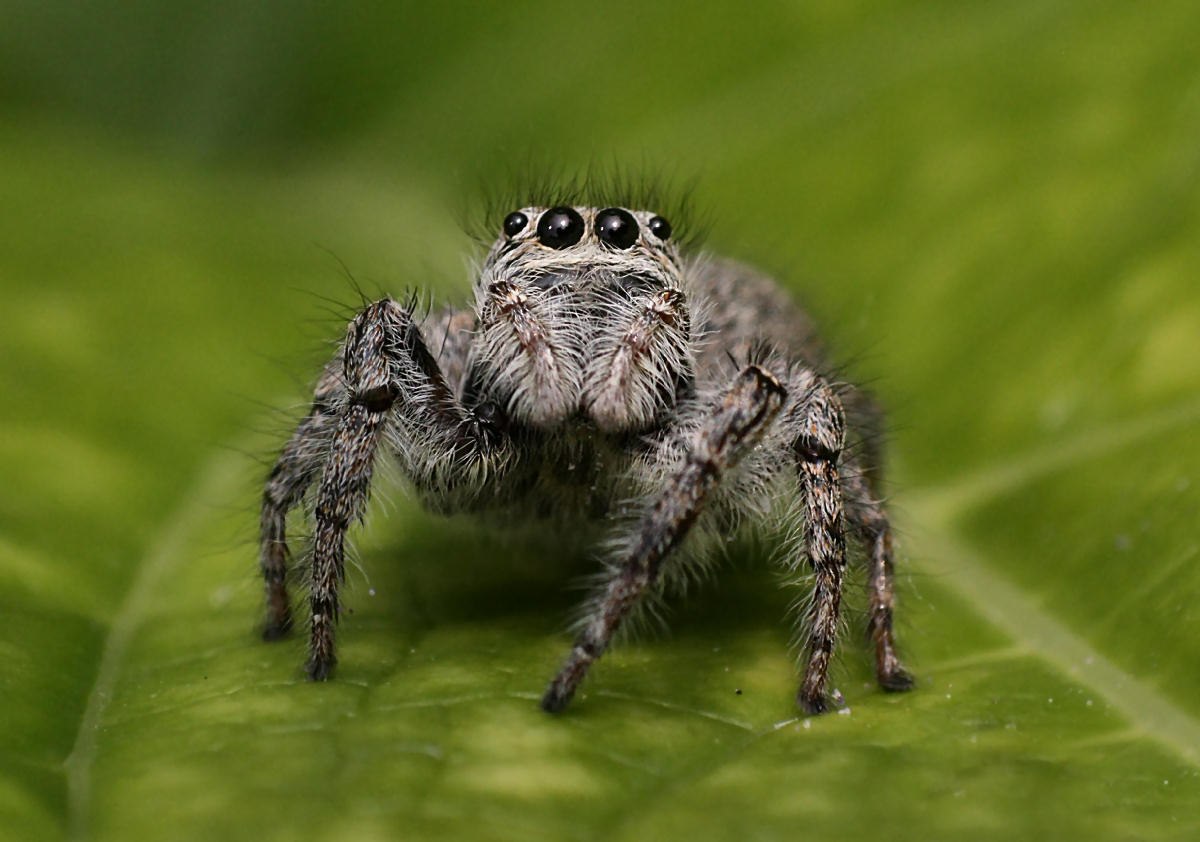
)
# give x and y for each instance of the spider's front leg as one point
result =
(819, 425)
(387, 372)
(731, 429)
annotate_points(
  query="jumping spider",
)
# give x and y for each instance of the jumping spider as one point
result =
(596, 381)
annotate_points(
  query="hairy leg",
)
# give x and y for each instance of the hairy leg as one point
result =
(293, 472)
(868, 516)
(388, 380)
(817, 417)
(732, 428)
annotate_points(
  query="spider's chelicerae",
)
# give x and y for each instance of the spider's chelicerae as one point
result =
(601, 379)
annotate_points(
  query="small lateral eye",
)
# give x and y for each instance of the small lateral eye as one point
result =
(660, 228)
(617, 227)
(515, 223)
(560, 227)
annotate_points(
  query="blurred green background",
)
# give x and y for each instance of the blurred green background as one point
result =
(992, 208)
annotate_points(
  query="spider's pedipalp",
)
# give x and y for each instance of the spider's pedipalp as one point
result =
(641, 363)
(522, 357)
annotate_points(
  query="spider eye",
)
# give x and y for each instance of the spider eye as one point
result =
(515, 223)
(660, 228)
(560, 227)
(617, 227)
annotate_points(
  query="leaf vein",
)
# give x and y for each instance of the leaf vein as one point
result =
(163, 553)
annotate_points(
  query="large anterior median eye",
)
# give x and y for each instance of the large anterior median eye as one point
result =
(560, 227)
(616, 227)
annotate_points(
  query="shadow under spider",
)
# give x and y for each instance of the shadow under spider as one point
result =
(453, 572)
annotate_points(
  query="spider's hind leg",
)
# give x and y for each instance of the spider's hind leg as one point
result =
(293, 472)
(871, 522)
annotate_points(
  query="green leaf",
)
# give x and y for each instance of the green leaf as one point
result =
(993, 210)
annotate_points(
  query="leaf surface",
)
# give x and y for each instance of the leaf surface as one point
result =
(993, 211)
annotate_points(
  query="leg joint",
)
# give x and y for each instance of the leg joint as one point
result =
(812, 449)
(377, 398)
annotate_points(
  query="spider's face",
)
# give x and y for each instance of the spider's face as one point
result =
(583, 314)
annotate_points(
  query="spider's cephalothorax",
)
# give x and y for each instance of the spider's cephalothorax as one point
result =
(598, 365)
(582, 315)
